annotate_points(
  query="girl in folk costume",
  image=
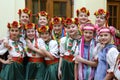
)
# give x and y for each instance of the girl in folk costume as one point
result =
(117, 68)
(107, 56)
(35, 50)
(14, 70)
(24, 18)
(85, 60)
(83, 15)
(102, 17)
(58, 30)
(52, 48)
(43, 18)
(68, 49)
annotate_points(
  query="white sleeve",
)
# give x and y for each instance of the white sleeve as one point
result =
(62, 45)
(111, 58)
(41, 43)
(53, 47)
(3, 49)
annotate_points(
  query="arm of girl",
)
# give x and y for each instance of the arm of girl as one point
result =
(88, 62)
(59, 69)
(75, 71)
(109, 76)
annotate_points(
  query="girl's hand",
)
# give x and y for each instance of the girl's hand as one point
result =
(59, 74)
(29, 44)
(78, 58)
(7, 61)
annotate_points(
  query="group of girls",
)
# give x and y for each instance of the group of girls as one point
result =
(60, 49)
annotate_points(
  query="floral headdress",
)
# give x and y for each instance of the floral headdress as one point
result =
(25, 10)
(102, 12)
(42, 13)
(30, 26)
(88, 26)
(57, 20)
(70, 21)
(14, 24)
(110, 30)
(43, 29)
(84, 10)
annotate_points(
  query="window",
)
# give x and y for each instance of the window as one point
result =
(113, 8)
(62, 8)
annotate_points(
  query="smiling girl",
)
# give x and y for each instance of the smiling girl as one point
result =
(14, 70)
(85, 58)
(52, 48)
(68, 49)
(107, 56)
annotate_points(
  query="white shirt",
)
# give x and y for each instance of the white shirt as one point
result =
(64, 51)
(12, 51)
(53, 49)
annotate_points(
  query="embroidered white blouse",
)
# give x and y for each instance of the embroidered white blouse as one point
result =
(13, 52)
(64, 51)
(111, 58)
(40, 43)
(53, 49)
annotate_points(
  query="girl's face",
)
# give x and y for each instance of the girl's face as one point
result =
(100, 20)
(72, 29)
(83, 17)
(104, 38)
(57, 28)
(88, 35)
(24, 18)
(42, 21)
(30, 33)
(14, 33)
(45, 36)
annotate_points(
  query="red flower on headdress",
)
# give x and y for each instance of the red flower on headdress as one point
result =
(76, 21)
(43, 13)
(43, 29)
(8, 25)
(83, 9)
(101, 11)
(68, 21)
(30, 26)
(15, 24)
(57, 20)
(19, 11)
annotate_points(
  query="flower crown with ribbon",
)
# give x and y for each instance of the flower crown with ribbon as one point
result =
(43, 29)
(109, 29)
(25, 10)
(102, 12)
(30, 26)
(42, 13)
(70, 21)
(88, 26)
(84, 10)
(14, 24)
